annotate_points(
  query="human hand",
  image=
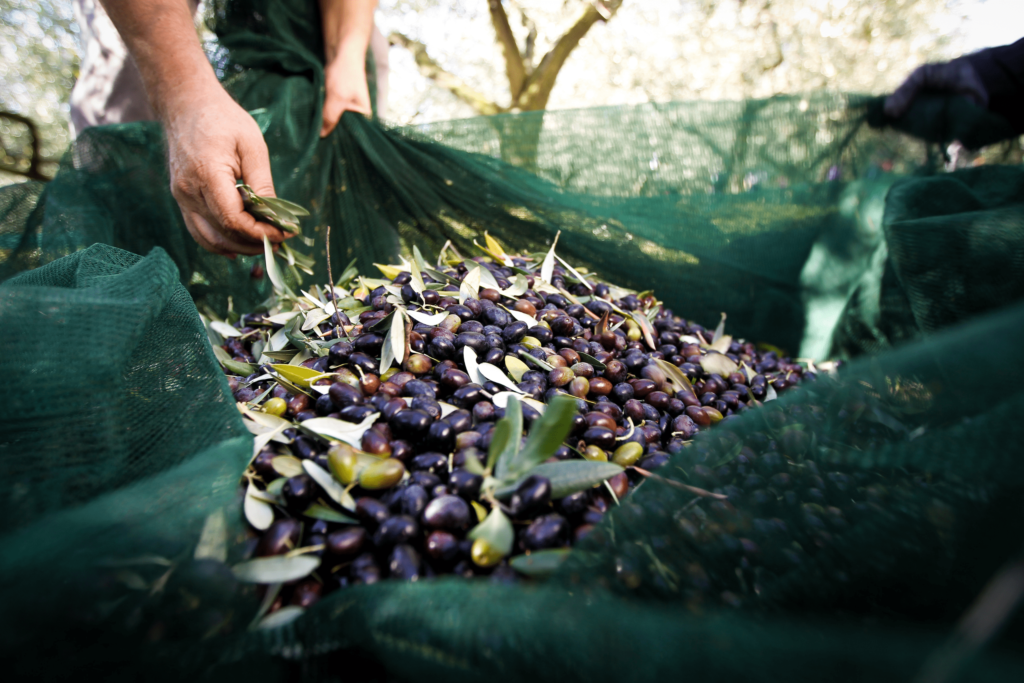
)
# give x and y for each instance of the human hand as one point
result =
(213, 142)
(956, 77)
(347, 90)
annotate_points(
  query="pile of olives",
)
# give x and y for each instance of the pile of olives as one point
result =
(413, 496)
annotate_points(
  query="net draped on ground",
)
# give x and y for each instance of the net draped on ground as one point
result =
(812, 230)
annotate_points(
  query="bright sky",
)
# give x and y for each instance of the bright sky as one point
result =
(992, 22)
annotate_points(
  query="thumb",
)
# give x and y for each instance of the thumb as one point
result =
(254, 162)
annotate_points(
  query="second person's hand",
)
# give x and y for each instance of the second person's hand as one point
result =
(213, 142)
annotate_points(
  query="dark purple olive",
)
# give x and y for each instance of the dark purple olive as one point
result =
(427, 405)
(396, 530)
(347, 542)
(514, 332)
(465, 484)
(483, 411)
(418, 387)
(299, 492)
(531, 496)
(549, 531)
(453, 378)
(363, 362)
(441, 348)
(468, 395)
(356, 413)
(442, 546)
(413, 500)
(460, 420)
(447, 512)
(404, 563)
(620, 393)
(573, 504)
(371, 511)
(440, 437)
(410, 424)
(365, 570)
(435, 463)
(281, 537)
(602, 437)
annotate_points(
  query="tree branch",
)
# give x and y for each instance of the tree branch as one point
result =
(531, 38)
(538, 87)
(33, 172)
(513, 59)
(432, 70)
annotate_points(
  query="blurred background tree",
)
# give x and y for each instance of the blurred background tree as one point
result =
(38, 67)
(460, 58)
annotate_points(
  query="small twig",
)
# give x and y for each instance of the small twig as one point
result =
(679, 485)
(330, 283)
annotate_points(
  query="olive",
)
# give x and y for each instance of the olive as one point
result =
(531, 496)
(698, 416)
(371, 511)
(599, 386)
(634, 410)
(469, 395)
(435, 463)
(368, 343)
(579, 387)
(347, 542)
(447, 512)
(375, 443)
(460, 421)
(344, 395)
(473, 340)
(455, 379)
(494, 356)
(395, 530)
(713, 415)
(410, 424)
(465, 484)
(484, 554)
(363, 362)
(404, 563)
(275, 406)
(599, 419)
(442, 546)
(441, 348)
(654, 460)
(440, 437)
(627, 454)
(643, 387)
(619, 485)
(514, 332)
(382, 474)
(595, 453)
(615, 371)
(562, 325)
(356, 413)
(365, 570)
(299, 491)
(559, 377)
(281, 537)
(526, 307)
(620, 393)
(651, 413)
(298, 404)
(549, 531)
(541, 334)
(483, 411)
(496, 316)
(306, 593)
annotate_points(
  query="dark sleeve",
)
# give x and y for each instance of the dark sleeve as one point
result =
(1001, 70)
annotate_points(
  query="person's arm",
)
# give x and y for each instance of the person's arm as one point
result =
(211, 140)
(1001, 70)
(347, 25)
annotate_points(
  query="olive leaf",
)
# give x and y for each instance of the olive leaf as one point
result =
(223, 329)
(472, 367)
(318, 511)
(770, 394)
(517, 288)
(508, 433)
(539, 563)
(487, 279)
(281, 617)
(501, 398)
(275, 569)
(273, 271)
(646, 328)
(676, 377)
(497, 530)
(516, 367)
(717, 363)
(329, 484)
(432, 320)
(522, 317)
(339, 430)
(232, 365)
(298, 375)
(587, 358)
(547, 268)
(494, 374)
(543, 365)
(287, 465)
(574, 272)
(213, 539)
(394, 343)
(390, 272)
(259, 513)
(441, 277)
(280, 213)
(469, 288)
(566, 476)
(546, 434)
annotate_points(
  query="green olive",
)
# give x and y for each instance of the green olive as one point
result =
(484, 554)
(595, 453)
(559, 377)
(275, 407)
(382, 474)
(530, 342)
(418, 364)
(627, 454)
(346, 464)
(579, 387)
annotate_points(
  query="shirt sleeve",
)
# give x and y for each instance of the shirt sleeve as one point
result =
(1001, 70)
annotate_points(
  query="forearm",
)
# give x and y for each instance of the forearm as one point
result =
(162, 39)
(347, 25)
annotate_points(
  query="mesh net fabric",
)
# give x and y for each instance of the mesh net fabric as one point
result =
(813, 231)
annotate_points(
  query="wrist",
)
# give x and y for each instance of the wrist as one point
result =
(179, 97)
(348, 51)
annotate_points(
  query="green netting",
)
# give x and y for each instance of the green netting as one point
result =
(121, 446)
